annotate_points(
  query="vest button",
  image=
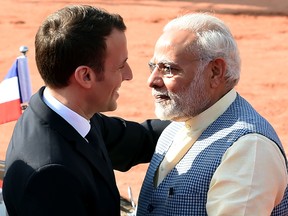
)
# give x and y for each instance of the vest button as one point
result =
(150, 208)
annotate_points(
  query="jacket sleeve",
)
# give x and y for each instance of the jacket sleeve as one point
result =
(51, 190)
(129, 143)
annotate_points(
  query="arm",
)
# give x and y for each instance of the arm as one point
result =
(250, 180)
(129, 143)
(52, 190)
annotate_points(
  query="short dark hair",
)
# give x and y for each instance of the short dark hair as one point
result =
(71, 37)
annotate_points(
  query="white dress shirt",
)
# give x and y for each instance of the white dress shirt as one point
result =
(74, 119)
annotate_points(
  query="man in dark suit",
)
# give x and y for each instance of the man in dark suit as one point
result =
(62, 152)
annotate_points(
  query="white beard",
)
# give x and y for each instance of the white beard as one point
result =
(184, 104)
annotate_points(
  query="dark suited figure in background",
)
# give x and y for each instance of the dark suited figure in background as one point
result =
(218, 156)
(52, 167)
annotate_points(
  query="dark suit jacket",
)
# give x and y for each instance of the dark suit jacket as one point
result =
(51, 170)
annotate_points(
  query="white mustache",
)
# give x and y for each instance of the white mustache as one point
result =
(156, 93)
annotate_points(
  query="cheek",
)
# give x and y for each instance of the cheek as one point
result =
(115, 79)
(177, 85)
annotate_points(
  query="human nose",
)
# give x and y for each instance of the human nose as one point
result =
(127, 73)
(155, 79)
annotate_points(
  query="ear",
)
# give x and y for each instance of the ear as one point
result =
(218, 70)
(83, 76)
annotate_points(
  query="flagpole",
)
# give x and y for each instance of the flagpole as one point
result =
(24, 50)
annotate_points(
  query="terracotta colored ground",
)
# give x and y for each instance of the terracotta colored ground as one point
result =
(260, 27)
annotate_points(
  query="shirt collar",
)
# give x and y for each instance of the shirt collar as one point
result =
(204, 119)
(81, 125)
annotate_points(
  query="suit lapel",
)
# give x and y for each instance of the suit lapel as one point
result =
(96, 159)
(74, 138)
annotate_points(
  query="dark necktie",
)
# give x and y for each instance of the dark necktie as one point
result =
(91, 136)
(94, 141)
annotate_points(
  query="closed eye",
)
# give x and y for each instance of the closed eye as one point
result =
(123, 64)
(121, 67)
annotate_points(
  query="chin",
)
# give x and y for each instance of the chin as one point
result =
(168, 113)
(161, 114)
(112, 107)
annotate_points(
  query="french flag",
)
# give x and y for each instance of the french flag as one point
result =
(15, 89)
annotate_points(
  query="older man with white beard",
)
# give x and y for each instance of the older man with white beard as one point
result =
(211, 159)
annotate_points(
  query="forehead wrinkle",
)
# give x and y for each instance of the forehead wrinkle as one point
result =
(163, 54)
(163, 60)
(175, 45)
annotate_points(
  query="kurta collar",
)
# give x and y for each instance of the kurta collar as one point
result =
(204, 119)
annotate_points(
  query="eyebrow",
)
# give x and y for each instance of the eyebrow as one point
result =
(165, 62)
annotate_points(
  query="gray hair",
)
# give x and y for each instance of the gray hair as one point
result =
(213, 40)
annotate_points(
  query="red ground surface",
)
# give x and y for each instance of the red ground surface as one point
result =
(260, 27)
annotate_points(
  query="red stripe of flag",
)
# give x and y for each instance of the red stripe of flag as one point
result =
(10, 108)
(10, 111)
